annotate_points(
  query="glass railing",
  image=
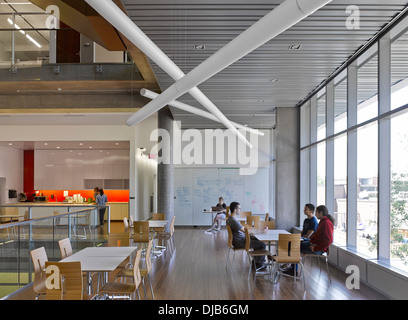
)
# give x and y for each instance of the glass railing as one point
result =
(25, 228)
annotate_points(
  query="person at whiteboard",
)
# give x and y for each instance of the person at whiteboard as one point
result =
(101, 200)
(238, 236)
(221, 214)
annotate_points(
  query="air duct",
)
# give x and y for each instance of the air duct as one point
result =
(183, 106)
(277, 21)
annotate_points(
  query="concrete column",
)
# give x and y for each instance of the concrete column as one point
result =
(287, 144)
(165, 172)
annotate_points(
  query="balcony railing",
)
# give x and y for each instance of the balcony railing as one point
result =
(25, 228)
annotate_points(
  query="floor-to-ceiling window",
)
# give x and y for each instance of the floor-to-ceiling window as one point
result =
(368, 143)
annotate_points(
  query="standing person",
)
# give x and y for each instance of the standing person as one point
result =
(238, 235)
(101, 200)
(310, 223)
(321, 239)
(221, 214)
(96, 193)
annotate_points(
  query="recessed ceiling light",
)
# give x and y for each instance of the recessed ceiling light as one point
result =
(295, 47)
(10, 144)
(58, 147)
(90, 147)
(81, 144)
(199, 47)
(117, 143)
(45, 144)
(274, 80)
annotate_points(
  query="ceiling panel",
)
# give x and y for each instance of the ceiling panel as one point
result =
(271, 76)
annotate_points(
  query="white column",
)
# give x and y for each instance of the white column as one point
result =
(384, 148)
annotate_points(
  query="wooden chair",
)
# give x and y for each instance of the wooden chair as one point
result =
(270, 224)
(324, 256)
(231, 248)
(84, 221)
(125, 289)
(168, 236)
(252, 222)
(288, 253)
(266, 216)
(141, 232)
(127, 272)
(39, 258)
(245, 214)
(65, 248)
(70, 281)
(253, 253)
(119, 239)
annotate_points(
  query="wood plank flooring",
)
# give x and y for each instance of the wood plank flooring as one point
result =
(195, 270)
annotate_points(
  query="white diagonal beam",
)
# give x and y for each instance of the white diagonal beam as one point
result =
(278, 20)
(112, 13)
(183, 106)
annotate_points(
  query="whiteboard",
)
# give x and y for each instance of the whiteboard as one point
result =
(197, 189)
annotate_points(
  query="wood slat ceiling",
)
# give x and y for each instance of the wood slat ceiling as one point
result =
(247, 91)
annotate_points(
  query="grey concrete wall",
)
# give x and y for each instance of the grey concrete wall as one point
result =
(165, 172)
(287, 142)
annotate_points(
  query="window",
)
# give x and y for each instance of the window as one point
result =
(321, 117)
(367, 83)
(399, 191)
(340, 190)
(367, 176)
(321, 174)
(340, 106)
(399, 72)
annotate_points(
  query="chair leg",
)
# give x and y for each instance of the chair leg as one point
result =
(151, 287)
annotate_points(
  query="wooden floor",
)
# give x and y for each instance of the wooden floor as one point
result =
(195, 270)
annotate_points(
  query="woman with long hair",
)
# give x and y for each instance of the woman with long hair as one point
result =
(321, 239)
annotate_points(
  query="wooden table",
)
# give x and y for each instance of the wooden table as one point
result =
(100, 259)
(269, 237)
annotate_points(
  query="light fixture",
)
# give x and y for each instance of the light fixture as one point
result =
(278, 20)
(295, 47)
(180, 105)
(22, 31)
(199, 47)
(112, 13)
(274, 80)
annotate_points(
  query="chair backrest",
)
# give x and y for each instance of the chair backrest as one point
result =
(243, 214)
(141, 231)
(270, 224)
(26, 215)
(289, 246)
(158, 216)
(70, 281)
(172, 225)
(148, 256)
(39, 257)
(247, 240)
(227, 212)
(266, 216)
(253, 221)
(229, 236)
(65, 248)
(126, 223)
(137, 279)
(118, 239)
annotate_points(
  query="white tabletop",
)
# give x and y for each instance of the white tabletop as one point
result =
(271, 235)
(107, 251)
(157, 223)
(102, 259)
(96, 264)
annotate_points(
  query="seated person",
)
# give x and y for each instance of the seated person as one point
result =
(321, 239)
(220, 215)
(310, 223)
(238, 235)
